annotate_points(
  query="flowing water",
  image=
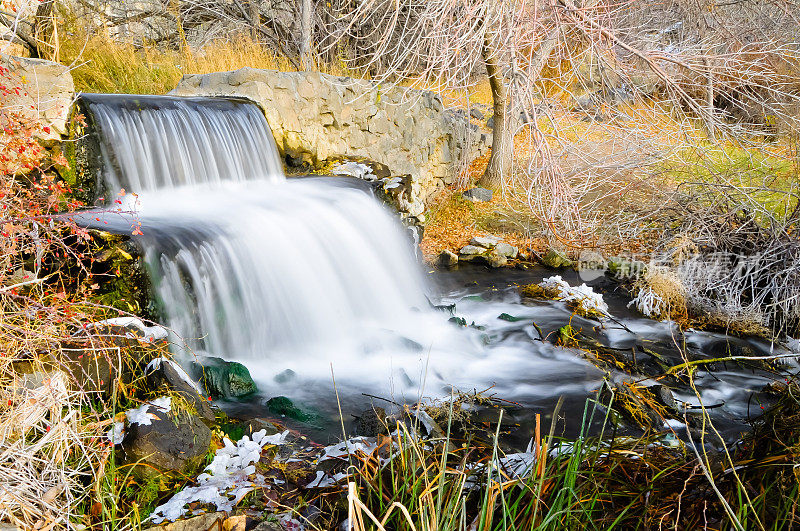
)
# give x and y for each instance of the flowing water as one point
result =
(305, 281)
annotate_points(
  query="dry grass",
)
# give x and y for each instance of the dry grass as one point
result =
(103, 64)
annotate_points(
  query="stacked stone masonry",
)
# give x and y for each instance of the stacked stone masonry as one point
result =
(317, 117)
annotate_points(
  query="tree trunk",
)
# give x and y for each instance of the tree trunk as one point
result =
(254, 13)
(306, 28)
(43, 29)
(502, 138)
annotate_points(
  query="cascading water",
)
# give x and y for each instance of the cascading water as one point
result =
(152, 143)
(301, 277)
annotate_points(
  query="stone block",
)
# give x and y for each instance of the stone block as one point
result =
(45, 96)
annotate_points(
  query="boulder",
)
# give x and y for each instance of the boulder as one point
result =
(221, 378)
(204, 522)
(371, 422)
(496, 260)
(556, 259)
(171, 443)
(471, 250)
(257, 424)
(45, 93)
(240, 522)
(447, 259)
(125, 332)
(591, 265)
(164, 373)
(92, 370)
(621, 267)
(280, 405)
(487, 242)
(478, 195)
(507, 250)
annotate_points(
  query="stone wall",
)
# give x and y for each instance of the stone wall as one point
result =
(317, 117)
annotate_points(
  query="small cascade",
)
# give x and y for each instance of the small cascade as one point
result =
(151, 143)
(252, 267)
(281, 268)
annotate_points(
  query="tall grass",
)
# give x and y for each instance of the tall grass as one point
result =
(101, 63)
(598, 482)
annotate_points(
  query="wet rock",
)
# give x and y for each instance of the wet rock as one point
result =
(163, 373)
(172, 443)
(487, 242)
(555, 259)
(510, 318)
(280, 405)
(471, 250)
(507, 250)
(478, 195)
(664, 396)
(257, 424)
(285, 377)
(447, 259)
(496, 260)
(221, 378)
(371, 422)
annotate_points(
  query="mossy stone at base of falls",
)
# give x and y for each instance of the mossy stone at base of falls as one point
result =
(223, 379)
(280, 405)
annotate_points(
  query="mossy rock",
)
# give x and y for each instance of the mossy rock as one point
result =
(280, 405)
(623, 268)
(120, 275)
(221, 378)
(555, 259)
(170, 444)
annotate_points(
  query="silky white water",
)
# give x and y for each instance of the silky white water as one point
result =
(154, 143)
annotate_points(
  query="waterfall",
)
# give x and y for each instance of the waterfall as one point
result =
(251, 266)
(245, 272)
(299, 277)
(152, 143)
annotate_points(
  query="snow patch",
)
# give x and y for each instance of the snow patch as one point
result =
(141, 414)
(228, 479)
(117, 433)
(348, 447)
(584, 296)
(148, 333)
(354, 169)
